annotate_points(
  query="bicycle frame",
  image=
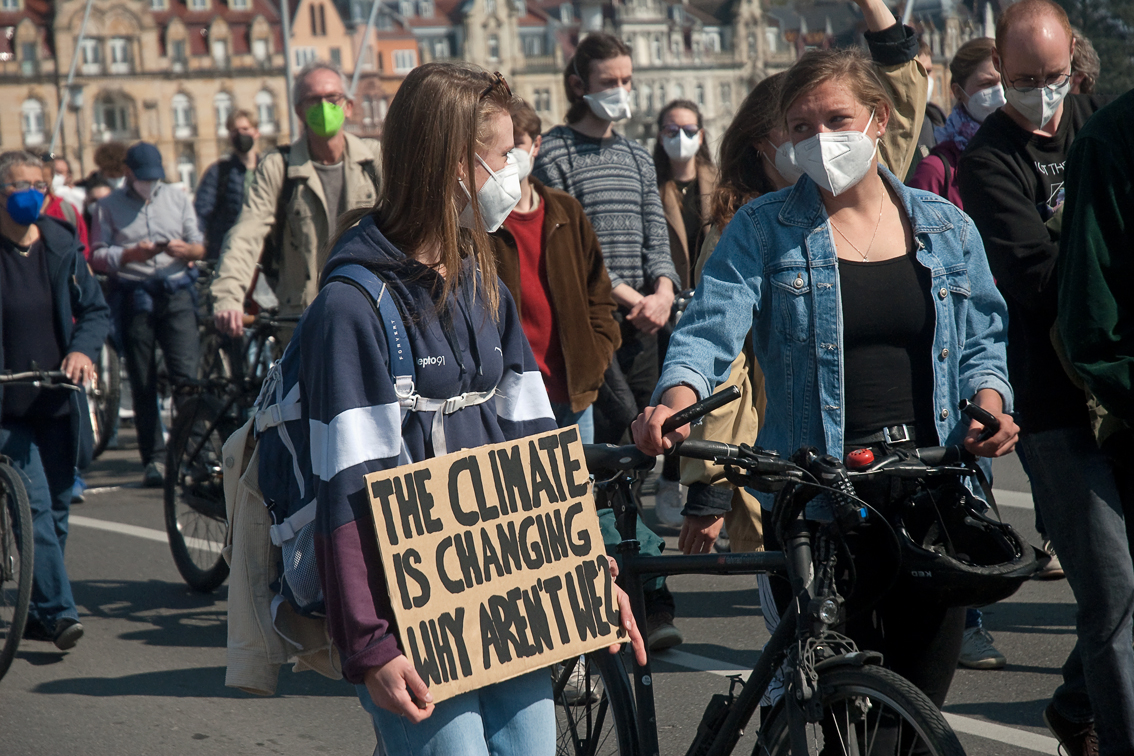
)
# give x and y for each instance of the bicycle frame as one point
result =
(796, 560)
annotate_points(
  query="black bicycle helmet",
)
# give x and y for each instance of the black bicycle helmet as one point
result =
(952, 551)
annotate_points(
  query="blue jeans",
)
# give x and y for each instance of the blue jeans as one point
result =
(48, 478)
(585, 419)
(1074, 485)
(512, 718)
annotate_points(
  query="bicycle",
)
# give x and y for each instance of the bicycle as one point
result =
(209, 410)
(832, 690)
(17, 542)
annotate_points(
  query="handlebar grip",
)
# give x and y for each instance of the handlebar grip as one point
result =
(940, 455)
(701, 408)
(710, 450)
(982, 416)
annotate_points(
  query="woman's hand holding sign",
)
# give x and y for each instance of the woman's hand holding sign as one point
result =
(396, 687)
(628, 623)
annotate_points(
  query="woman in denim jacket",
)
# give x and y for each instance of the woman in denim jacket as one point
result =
(873, 313)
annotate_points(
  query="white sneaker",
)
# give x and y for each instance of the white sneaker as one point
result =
(977, 651)
(668, 503)
(1053, 570)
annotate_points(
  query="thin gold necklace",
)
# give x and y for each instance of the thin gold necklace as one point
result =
(877, 225)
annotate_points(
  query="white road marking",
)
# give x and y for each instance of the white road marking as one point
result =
(1014, 499)
(980, 728)
(139, 532)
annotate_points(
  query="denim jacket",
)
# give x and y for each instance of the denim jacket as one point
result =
(775, 272)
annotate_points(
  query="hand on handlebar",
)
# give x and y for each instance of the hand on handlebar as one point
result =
(1004, 441)
(229, 322)
(647, 429)
(699, 533)
(78, 368)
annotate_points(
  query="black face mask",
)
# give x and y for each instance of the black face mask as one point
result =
(242, 143)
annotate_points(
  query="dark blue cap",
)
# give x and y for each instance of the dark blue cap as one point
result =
(144, 160)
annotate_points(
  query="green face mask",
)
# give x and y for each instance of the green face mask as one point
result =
(325, 119)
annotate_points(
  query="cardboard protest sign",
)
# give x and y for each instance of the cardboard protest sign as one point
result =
(494, 561)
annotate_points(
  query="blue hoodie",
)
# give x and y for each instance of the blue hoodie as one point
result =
(355, 425)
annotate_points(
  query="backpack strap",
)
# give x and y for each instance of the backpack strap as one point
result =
(272, 251)
(948, 173)
(371, 172)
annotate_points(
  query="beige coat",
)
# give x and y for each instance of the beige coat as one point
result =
(308, 226)
(740, 421)
(671, 208)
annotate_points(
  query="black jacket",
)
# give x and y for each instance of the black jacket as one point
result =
(1011, 181)
(82, 317)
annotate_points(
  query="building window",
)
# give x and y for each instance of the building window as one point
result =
(239, 5)
(29, 65)
(648, 96)
(493, 47)
(92, 56)
(521, 8)
(187, 169)
(533, 45)
(404, 60)
(541, 100)
(159, 5)
(305, 55)
(182, 116)
(425, 8)
(490, 7)
(113, 117)
(260, 49)
(198, 5)
(10, 5)
(676, 47)
(177, 54)
(726, 95)
(566, 13)
(441, 49)
(222, 104)
(367, 112)
(656, 49)
(220, 53)
(266, 111)
(32, 122)
(661, 96)
(119, 55)
(713, 42)
(337, 56)
(405, 7)
(318, 20)
(699, 97)
(679, 91)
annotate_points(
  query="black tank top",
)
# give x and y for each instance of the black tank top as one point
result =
(888, 324)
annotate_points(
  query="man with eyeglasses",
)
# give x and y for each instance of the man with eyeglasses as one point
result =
(292, 207)
(1011, 180)
(145, 236)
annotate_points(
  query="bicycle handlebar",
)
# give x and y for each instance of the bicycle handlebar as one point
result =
(40, 378)
(700, 409)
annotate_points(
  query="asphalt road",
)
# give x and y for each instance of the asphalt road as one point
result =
(148, 676)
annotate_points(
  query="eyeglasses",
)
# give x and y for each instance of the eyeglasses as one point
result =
(691, 130)
(498, 80)
(337, 98)
(1028, 83)
(23, 186)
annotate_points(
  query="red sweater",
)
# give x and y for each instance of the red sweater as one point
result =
(55, 209)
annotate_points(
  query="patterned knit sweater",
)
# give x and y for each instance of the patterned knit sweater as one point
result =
(615, 182)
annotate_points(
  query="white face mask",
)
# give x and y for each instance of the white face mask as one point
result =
(680, 146)
(929, 90)
(117, 183)
(985, 102)
(785, 162)
(144, 188)
(610, 104)
(1038, 105)
(497, 198)
(523, 161)
(837, 160)
(58, 181)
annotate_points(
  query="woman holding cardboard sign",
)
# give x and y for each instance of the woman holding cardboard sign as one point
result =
(448, 180)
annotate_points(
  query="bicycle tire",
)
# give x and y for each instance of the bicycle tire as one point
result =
(602, 722)
(17, 563)
(856, 696)
(195, 518)
(216, 360)
(105, 397)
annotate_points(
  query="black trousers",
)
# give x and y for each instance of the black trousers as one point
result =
(637, 360)
(173, 324)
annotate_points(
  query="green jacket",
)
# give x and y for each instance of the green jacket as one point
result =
(1096, 258)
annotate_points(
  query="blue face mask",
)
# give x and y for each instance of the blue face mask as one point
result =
(24, 207)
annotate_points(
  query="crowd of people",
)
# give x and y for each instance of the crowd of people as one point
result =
(860, 260)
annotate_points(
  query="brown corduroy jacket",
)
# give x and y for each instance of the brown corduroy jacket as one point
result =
(579, 289)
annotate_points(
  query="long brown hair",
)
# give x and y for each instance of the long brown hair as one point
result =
(596, 47)
(743, 177)
(968, 58)
(848, 65)
(661, 160)
(440, 115)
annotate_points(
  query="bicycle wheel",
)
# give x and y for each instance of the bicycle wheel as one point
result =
(594, 707)
(195, 517)
(216, 359)
(870, 711)
(104, 397)
(16, 563)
